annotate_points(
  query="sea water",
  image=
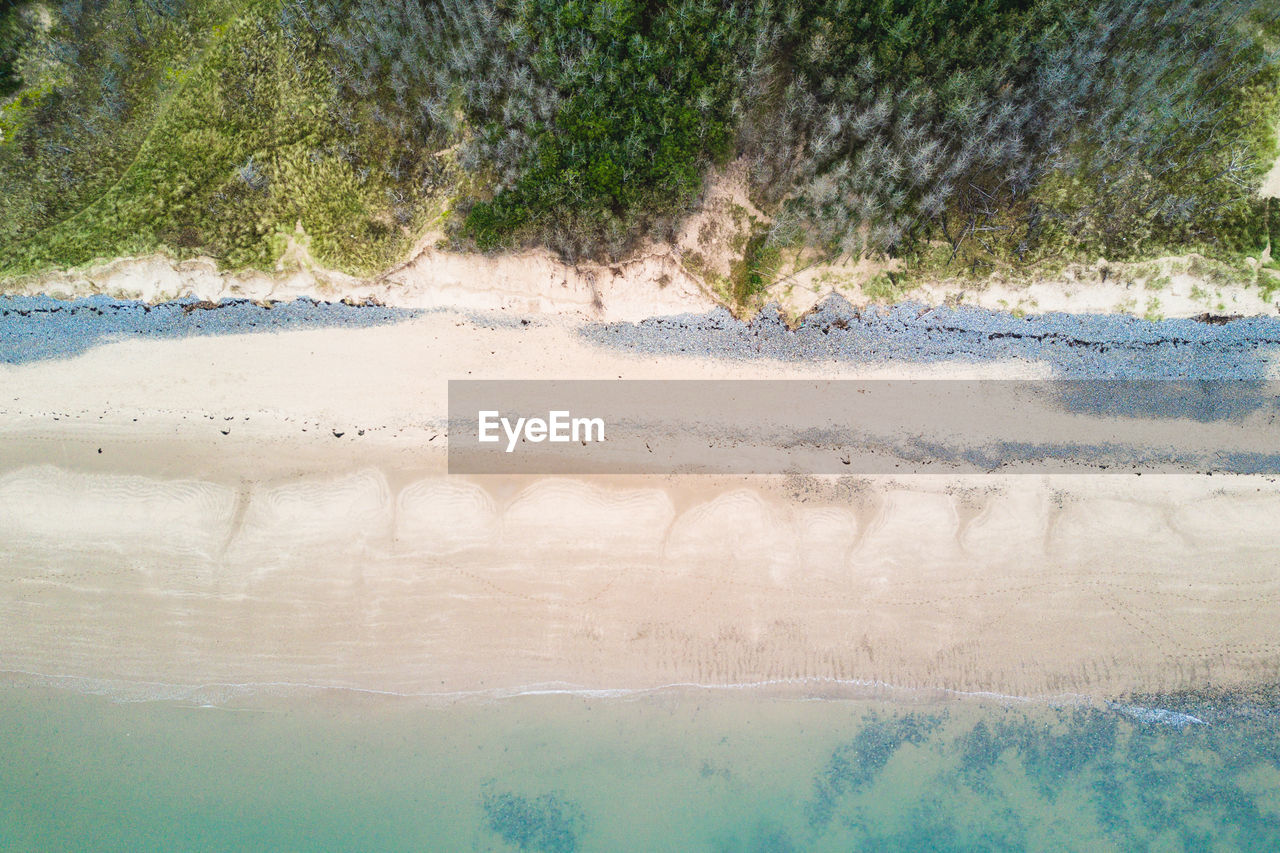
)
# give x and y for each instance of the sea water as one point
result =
(677, 770)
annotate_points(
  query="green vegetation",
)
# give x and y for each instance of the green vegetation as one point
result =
(1268, 284)
(1273, 225)
(970, 136)
(1020, 131)
(13, 34)
(641, 110)
(884, 287)
(756, 269)
(200, 129)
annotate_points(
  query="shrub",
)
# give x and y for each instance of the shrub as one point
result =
(1012, 132)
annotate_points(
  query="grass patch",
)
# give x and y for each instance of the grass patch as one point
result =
(1153, 312)
(1268, 285)
(751, 275)
(238, 148)
(1220, 273)
(885, 287)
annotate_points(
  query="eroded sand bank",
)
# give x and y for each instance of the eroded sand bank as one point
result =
(274, 510)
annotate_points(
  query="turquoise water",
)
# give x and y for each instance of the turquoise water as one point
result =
(682, 771)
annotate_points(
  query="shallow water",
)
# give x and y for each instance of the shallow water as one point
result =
(670, 771)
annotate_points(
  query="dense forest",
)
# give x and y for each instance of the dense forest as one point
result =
(967, 134)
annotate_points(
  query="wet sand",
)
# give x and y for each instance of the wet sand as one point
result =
(1029, 587)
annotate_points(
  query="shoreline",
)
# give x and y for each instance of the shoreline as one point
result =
(1176, 711)
(800, 689)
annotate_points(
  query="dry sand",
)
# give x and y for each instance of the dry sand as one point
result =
(650, 284)
(226, 534)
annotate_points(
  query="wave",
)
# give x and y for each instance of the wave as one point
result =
(215, 694)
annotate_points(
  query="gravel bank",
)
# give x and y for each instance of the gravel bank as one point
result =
(1074, 346)
(33, 328)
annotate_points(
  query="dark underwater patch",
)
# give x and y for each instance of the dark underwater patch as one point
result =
(855, 764)
(547, 823)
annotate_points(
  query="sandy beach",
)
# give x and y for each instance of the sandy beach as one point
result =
(621, 426)
(184, 516)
